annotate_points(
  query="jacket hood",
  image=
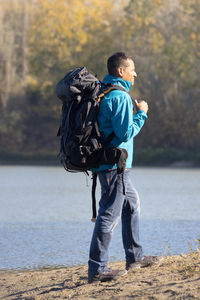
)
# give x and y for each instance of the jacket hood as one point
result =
(118, 81)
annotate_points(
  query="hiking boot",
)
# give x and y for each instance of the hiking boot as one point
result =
(146, 261)
(107, 275)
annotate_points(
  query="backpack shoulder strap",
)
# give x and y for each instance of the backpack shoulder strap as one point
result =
(108, 88)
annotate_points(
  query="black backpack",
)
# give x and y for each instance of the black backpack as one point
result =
(81, 146)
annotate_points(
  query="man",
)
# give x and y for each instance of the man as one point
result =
(116, 114)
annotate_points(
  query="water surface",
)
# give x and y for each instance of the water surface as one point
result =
(45, 215)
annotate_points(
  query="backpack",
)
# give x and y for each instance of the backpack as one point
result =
(81, 146)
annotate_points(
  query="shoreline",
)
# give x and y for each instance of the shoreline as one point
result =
(173, 165)
(158, 157)
(176, 277)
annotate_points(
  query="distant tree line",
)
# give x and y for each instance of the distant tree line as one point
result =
(40, 40)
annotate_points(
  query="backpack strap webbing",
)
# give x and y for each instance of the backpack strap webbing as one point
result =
(108, 89)
(94, 184)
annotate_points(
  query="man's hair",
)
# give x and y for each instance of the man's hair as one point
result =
(118, 59)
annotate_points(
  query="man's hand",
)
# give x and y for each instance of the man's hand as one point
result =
(141, 105)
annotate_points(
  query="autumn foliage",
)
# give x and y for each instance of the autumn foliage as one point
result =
(42, 39)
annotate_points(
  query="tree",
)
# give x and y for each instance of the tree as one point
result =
(13, 45)
(163, 36)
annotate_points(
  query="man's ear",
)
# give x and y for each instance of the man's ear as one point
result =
(120, 71)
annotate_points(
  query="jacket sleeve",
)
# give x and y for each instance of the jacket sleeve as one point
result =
(125, 124)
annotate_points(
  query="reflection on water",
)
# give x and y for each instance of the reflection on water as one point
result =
(45, 215)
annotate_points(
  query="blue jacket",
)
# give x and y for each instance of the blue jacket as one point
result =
(116, 114)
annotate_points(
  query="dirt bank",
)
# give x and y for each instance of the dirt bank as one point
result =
(177, 277)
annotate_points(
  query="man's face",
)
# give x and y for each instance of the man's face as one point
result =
(128, 73)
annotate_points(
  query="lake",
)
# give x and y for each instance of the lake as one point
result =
(45, 215)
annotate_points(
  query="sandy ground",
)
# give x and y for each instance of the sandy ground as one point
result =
(176, 277)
